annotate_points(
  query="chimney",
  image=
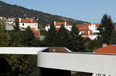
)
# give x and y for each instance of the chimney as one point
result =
(65, 23)
(104, 45)
(54, 22)
(31, 20)
(19, 19)
(88, 32)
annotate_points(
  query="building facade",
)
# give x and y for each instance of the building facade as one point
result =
(87, 30)
(24, 23)
(58, 25)
(110, 49)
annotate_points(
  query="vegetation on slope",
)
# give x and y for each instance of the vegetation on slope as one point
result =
(8, 10)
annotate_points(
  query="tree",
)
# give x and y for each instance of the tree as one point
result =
(2, 26)
(62, 37)
(50, 38)
(16, 26)
(76, 41)
(94, 44)
(18, 63)
(16, 38)
(113, 37)
(28, 38)
(106, 27)
(4, 39)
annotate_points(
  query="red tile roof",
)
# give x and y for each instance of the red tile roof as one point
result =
(36, 33)
(57, 29)
(60, 23)
(97, 24)
(86, 25)
(107, 49)
(83, 29)
(28, 21)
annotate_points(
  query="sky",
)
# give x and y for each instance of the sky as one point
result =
(85, 10)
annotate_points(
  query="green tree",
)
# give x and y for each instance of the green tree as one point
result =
(5, 68)
(106, 27)
(94, 44)
(16, 26)
(4, 39)
(28, 37)
(16, 35)
(2, 26)
(16, 38)
(50, 38)
(113, 37)
(62, 37)
(18, 63)
(76, 41)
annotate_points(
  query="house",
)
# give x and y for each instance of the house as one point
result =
(37, 34)
(89, 34)
(2, 18)
(10, 21)
(110, 49)
(24, 23)
(89, 30)
(58, 25)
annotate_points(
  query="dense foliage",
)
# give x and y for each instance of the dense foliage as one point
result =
(8, 10)
(106, 27)
(50, 38)
(65, 38)
(76, 41)
(62, 37)
(16, 65)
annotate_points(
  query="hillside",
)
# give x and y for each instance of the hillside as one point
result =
(8, 10)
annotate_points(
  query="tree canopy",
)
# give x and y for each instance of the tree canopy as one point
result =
(76, 41)
(50, 38)
(62, 37)
(106, 27)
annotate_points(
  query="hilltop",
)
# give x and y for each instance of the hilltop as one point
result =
(8, 10)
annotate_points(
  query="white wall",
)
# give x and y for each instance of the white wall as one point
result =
(21, 50)
(93, 37)
(67, 27)
(32, 25)
(103, 64)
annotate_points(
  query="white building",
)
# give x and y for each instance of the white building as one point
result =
(86, 30)
(89, 30)
(24, 23)
(10, 21)
(89, 34)
(58, 25)
(2, 18)
(93, 28)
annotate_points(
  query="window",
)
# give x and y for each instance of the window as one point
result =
(23, 24)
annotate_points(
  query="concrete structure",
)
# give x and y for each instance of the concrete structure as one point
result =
(9, 27)
(60, 61)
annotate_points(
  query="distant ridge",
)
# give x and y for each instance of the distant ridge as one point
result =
(8, 10)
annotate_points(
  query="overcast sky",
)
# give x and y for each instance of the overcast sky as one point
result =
(86, 10)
